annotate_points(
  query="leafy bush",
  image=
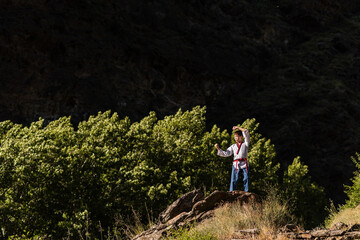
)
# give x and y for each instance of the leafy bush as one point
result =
(55, 179)
(60, 181)
(307, 198)
(353, 192)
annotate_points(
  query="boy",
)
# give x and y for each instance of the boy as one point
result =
(240, 151)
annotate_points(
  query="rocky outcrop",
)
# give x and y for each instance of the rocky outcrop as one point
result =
(195, 207)
(183, 204)
(339, 231)
(192, 207)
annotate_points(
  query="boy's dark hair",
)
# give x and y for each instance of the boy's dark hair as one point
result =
(238, 132)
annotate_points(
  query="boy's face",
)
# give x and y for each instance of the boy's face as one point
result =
(238, 138)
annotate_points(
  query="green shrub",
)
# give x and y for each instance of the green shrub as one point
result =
(353, 191)
(307, 198)
(55, 179)
(62, 182)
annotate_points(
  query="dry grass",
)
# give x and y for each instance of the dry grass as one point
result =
(267, 216)
(133, 227)
(348, 216)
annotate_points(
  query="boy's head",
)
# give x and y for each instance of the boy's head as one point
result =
(238, 137)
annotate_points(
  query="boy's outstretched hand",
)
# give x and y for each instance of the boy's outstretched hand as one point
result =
(217, 146)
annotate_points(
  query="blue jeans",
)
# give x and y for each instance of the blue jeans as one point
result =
(235, 178)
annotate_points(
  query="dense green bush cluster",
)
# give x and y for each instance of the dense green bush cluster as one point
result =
(307, 199)
(56, 179)
(353, 191)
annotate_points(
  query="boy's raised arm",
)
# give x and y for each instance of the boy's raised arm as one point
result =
(238, 128)
(245, 133)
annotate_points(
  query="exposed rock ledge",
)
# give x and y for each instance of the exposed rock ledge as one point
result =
(339, 231)
(192, 207)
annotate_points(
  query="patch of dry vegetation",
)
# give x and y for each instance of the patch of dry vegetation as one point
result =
(348, 216)
(267, 216)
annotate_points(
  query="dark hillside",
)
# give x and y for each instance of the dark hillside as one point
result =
(293, 65)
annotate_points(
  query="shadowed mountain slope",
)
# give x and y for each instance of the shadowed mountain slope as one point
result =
(293, 65)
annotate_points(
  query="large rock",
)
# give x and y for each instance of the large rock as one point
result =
(192, 207)
(221, 197)
(339, 231)
(183, 204)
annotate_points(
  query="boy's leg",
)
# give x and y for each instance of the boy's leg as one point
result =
(246, 179)
(234, 179)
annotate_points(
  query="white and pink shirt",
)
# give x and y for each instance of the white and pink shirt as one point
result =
(239, 151)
